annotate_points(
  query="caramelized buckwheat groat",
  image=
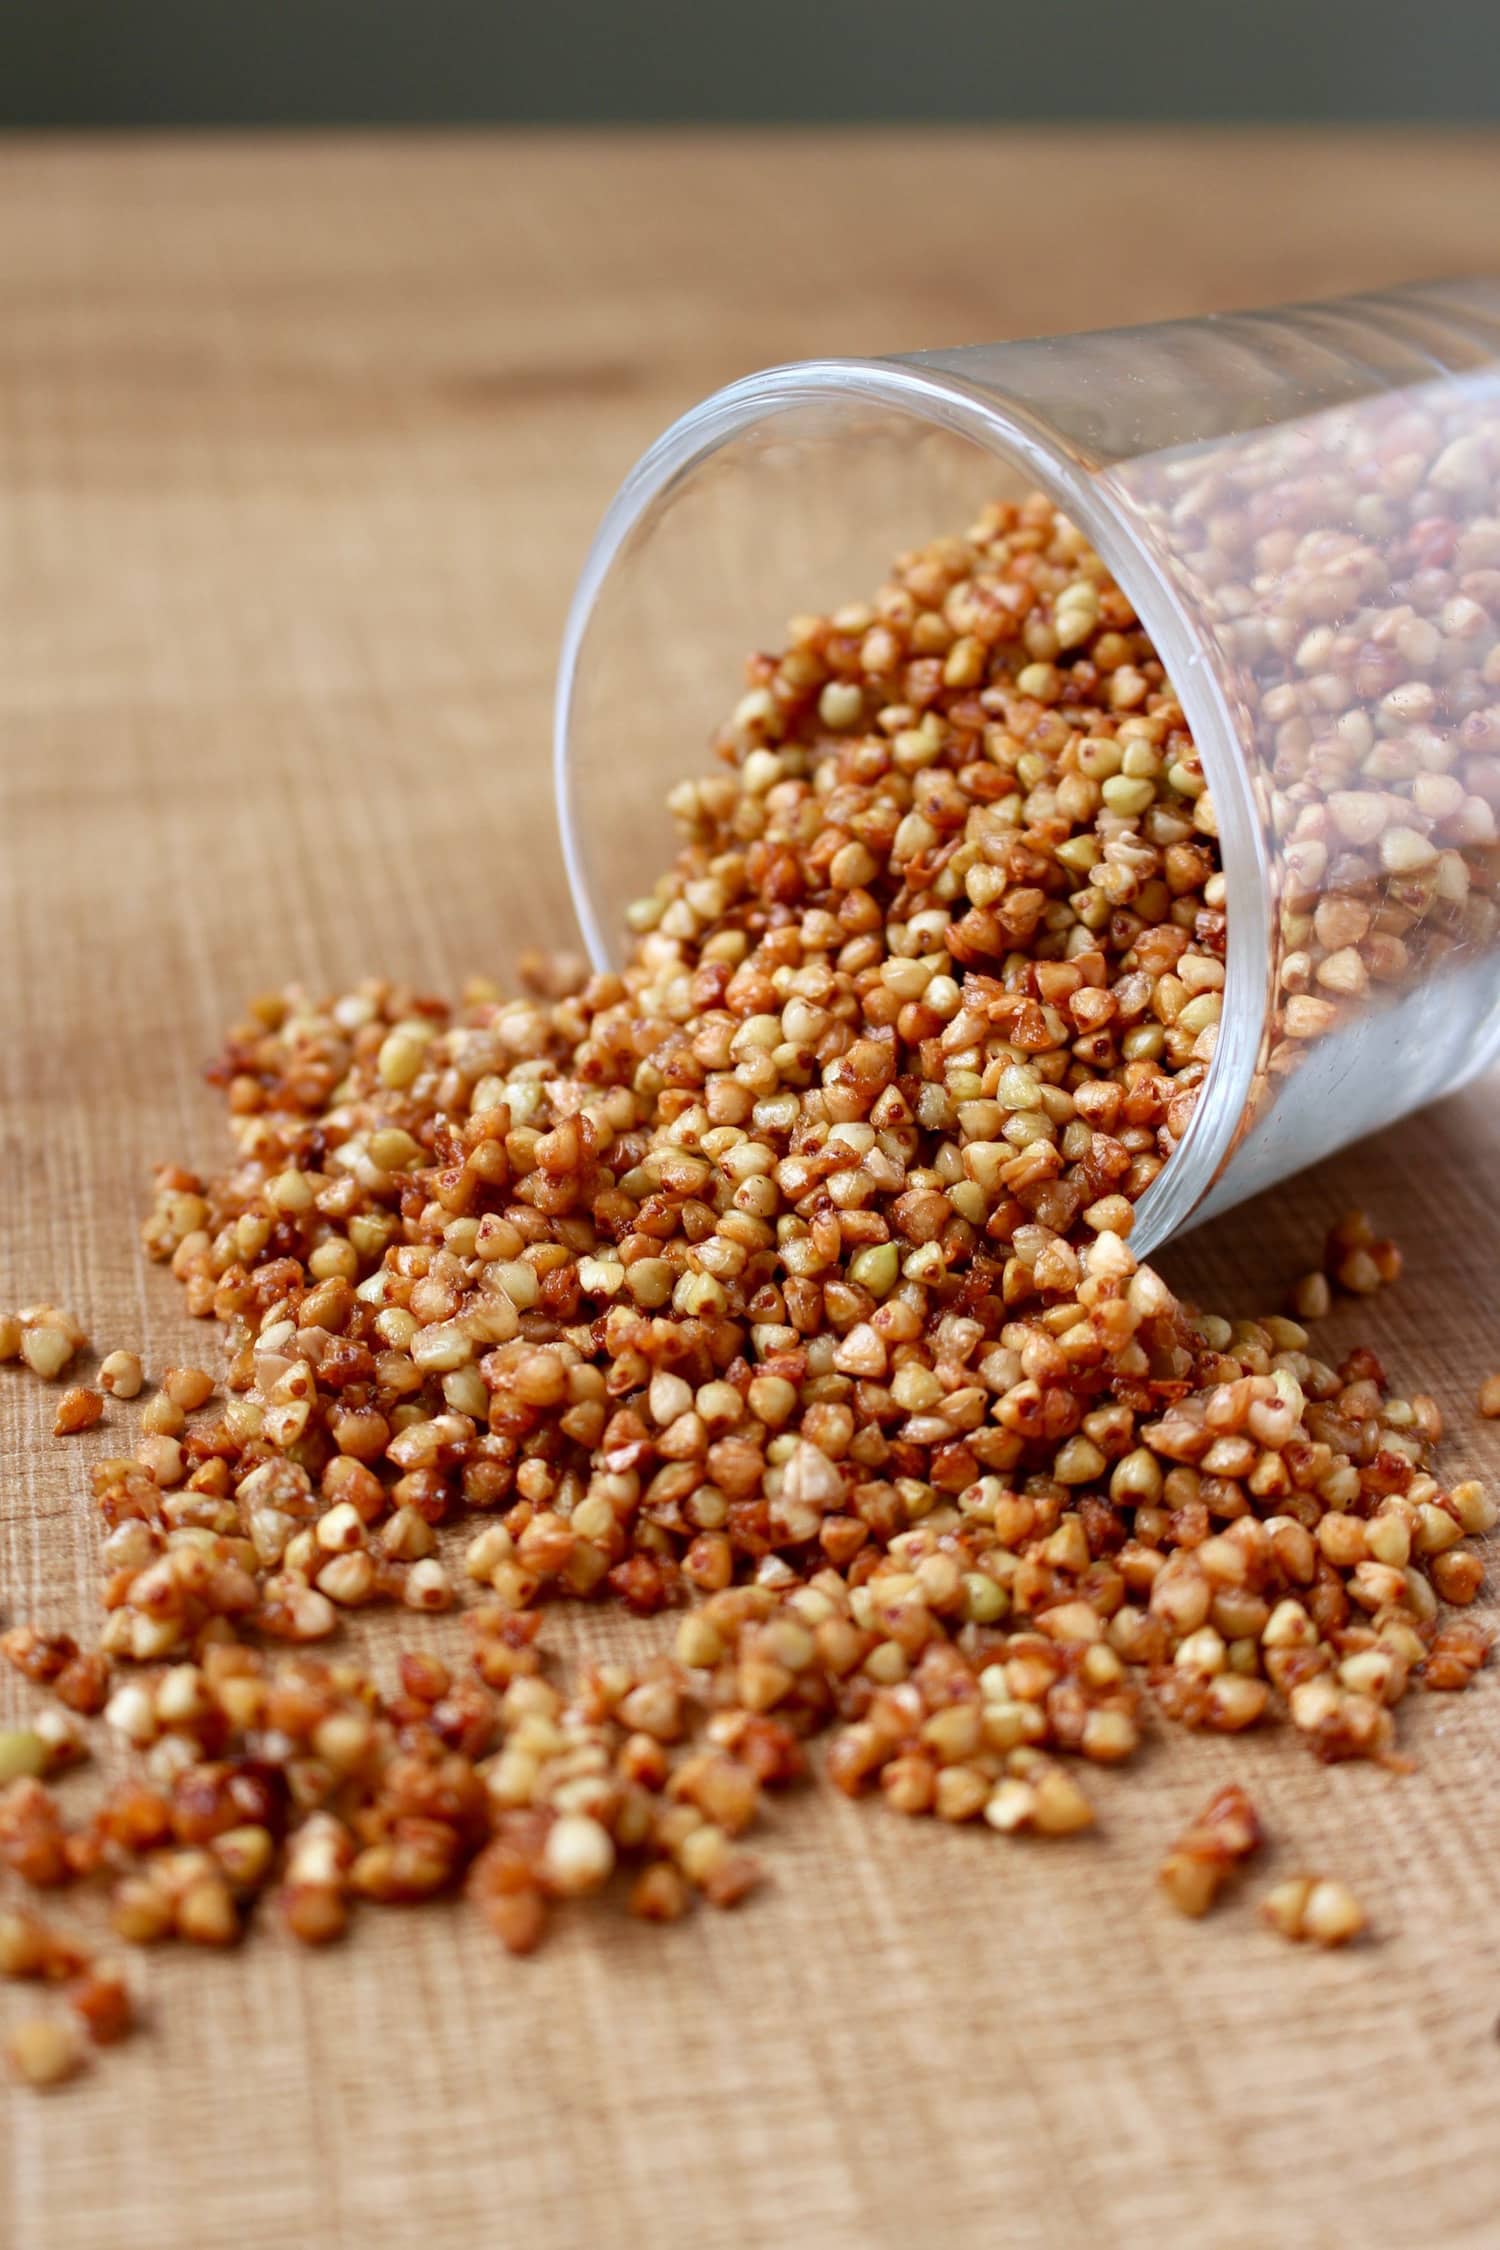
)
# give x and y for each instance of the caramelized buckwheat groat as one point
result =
(783, 1279)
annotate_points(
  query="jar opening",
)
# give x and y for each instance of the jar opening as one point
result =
(790, 491)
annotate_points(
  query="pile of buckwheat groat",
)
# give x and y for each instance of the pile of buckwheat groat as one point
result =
(783, 1280)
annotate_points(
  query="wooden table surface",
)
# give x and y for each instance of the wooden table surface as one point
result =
(301, 444)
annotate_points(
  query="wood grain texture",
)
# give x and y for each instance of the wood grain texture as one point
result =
(300, 447)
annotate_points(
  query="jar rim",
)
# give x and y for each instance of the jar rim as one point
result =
(1011, 431)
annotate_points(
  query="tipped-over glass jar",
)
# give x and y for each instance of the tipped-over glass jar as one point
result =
(1303, 508)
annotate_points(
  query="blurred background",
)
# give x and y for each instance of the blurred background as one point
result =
(215, 62)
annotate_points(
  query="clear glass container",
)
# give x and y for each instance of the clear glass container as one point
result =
(1303, 506)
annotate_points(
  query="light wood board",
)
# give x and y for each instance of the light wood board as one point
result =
(301, 444)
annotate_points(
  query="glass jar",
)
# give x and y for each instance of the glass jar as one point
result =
(1303, 507)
